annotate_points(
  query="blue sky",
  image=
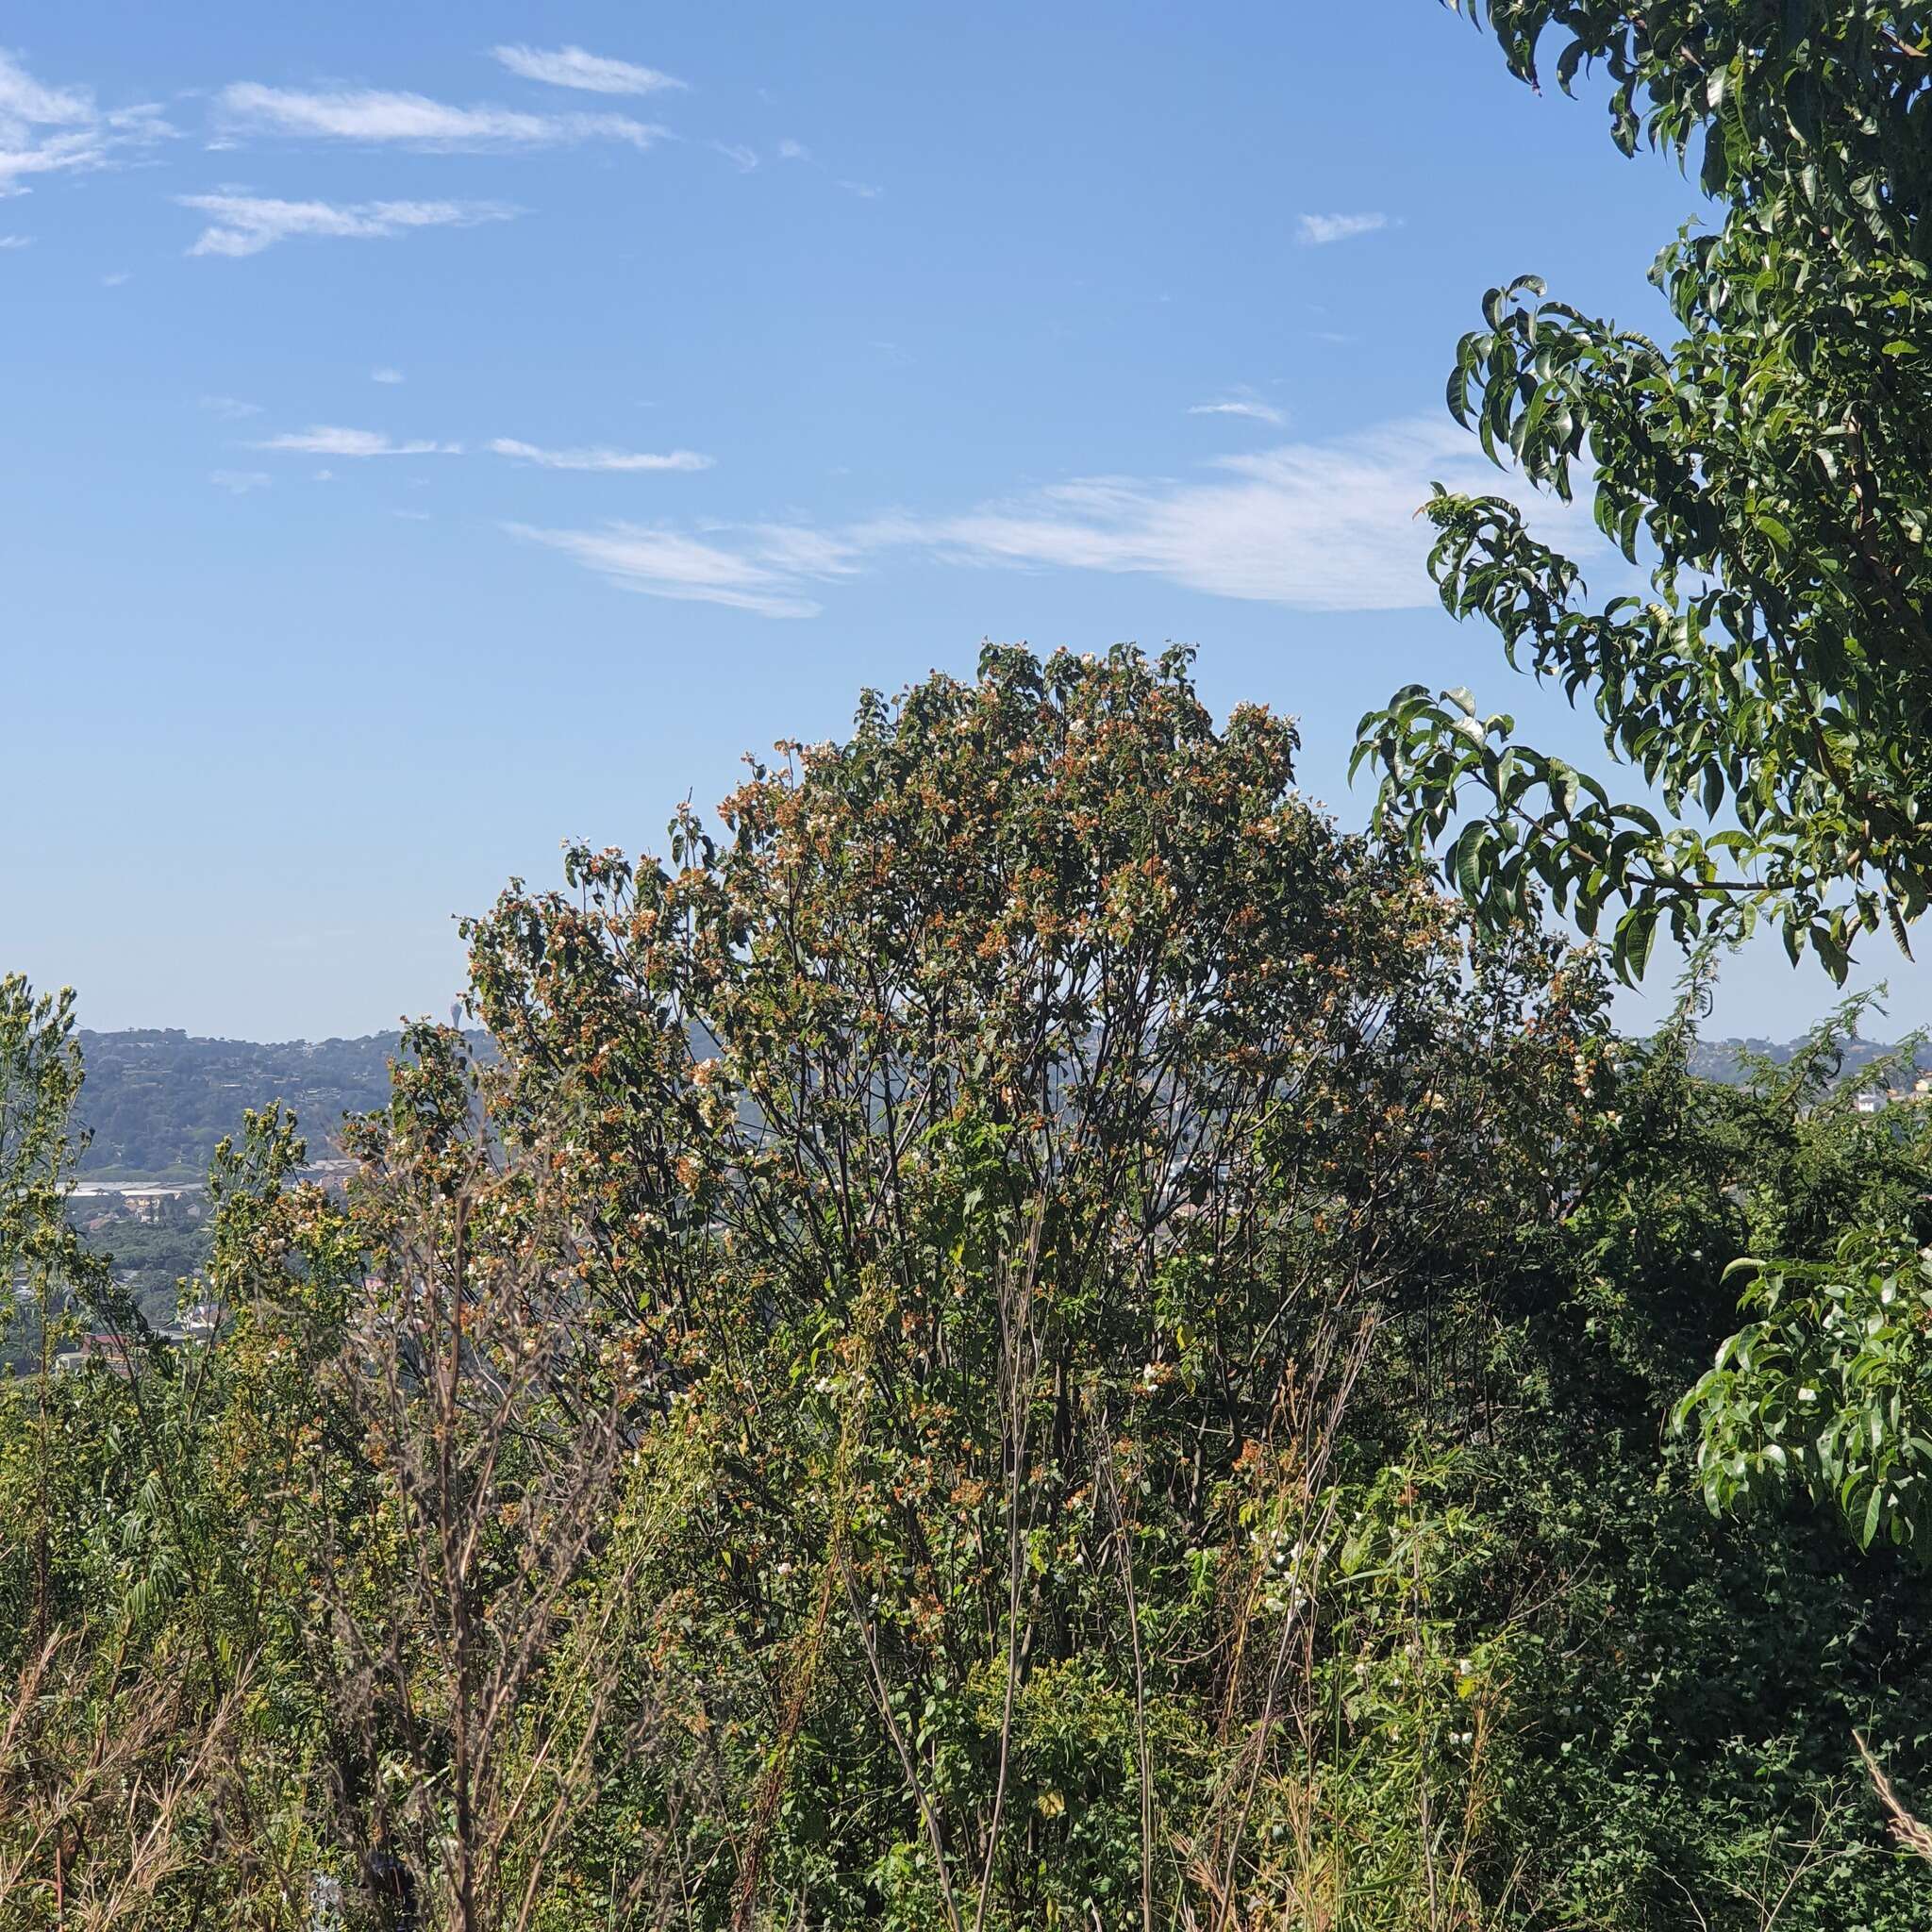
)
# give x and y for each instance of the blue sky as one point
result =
(430, 432)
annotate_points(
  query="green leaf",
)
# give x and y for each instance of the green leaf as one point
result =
(1868, 1527)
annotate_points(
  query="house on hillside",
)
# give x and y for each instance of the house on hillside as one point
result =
(113, 1352)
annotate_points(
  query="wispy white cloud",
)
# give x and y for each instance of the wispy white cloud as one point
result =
(417, 121)
(230, 407)
(239, 482)
(386, 375)
(119, 276)
(1318, 230)
(767, 570)
(599, 458)
(793, 151)
(247, 223)
(864, 190)
(1320, 526)
(597, 74)
(326, 440)
(1311, 527)
(1242, 404)
(741, 157)
(16, 240)
(33, 104)
(46, 130)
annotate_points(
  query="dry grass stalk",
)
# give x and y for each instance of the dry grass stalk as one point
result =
(1915, 1836)
(94, 1789)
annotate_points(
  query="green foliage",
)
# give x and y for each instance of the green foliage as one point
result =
(1768, 469)
(1827, 1389)
(1824, 1391)
(1020, 1335)
(40, 1080)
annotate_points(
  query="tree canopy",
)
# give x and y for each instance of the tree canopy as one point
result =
(1769, 471)
(1019, 1332)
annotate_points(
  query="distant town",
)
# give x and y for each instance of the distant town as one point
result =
(1875, 1099)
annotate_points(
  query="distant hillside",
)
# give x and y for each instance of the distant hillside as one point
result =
(1720, 1060)
(158, 1101)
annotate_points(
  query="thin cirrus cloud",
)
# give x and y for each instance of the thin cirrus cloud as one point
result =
(241, 224)
(597, 74)
(1317, 231)
(1252, 406)
(765, 569)
(608, 461)
(46, 130)
(375, 117)
(741, 157)
(325, 440)
(1314, 526)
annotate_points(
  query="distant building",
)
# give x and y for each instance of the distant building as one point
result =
(112, 1353)
(144, 1200)
(1877, 1099)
